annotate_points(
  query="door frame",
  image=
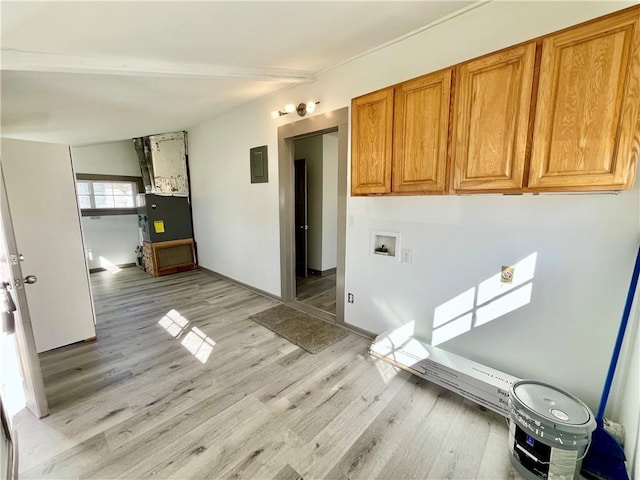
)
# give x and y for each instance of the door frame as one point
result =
(335, 121)
(33, 383)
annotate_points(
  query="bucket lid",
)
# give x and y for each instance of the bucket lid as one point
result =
(550, 405)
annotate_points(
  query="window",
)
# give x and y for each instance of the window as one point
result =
(107, 195)
(93, 194)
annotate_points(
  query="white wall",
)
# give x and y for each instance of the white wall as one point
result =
(563, 336)
(44, 210)
(628, 413)
(112, 158)
(625, 393)
(310, 149)
(329, 200)
(113, 237)
(235, 222)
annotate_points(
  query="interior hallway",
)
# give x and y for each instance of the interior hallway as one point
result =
(137, 403)
(317, 291)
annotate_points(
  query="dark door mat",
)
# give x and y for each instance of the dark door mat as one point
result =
(309, 333)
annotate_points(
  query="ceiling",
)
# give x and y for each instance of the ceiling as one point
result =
(89, 72)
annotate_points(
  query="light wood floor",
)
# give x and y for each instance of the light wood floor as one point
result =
(316, 291)
(137, 404)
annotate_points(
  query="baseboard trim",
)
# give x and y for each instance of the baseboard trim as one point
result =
(240, 284)
(321, 273)
(361, 331)
(123, 265)
(294, 304)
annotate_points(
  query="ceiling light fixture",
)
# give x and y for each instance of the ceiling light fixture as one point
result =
(302, 109)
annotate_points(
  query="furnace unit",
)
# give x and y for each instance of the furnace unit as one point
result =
(162, 218)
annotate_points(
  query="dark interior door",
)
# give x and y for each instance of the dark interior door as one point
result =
(300, 179)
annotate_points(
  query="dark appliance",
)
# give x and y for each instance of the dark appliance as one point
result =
(162, 218)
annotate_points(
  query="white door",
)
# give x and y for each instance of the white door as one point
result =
(13, 287)
(46, 221)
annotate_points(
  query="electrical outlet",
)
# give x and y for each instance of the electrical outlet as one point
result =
(406, 255)
(350, 297)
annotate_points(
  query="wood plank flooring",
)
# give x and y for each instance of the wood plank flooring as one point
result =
(138, 404)
(316, 291)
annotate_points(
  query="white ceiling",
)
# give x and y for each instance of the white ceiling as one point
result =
(89, 72)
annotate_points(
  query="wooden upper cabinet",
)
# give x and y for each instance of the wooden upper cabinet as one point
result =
(586, 132)
(421, 124)
(559, 113)
(371, 142)
(491, 119)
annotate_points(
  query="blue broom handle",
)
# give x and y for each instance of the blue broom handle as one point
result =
(618, 347)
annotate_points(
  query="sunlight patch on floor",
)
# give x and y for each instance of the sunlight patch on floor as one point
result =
(400, 347)
(386, 371)
(173, 323)
(109, 266)
(198, 344)
(194, 340)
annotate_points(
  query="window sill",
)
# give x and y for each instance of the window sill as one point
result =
(103, 212)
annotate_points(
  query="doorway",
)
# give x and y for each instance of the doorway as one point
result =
(334, 125)
(316, 219)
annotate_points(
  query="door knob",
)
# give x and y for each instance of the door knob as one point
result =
(30, 279)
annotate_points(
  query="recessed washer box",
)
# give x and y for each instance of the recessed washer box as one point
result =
(385, 245)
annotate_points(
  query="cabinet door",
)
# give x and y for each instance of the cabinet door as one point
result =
(493, 96)
(586, 126)
(421, 125)
(371, 142)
